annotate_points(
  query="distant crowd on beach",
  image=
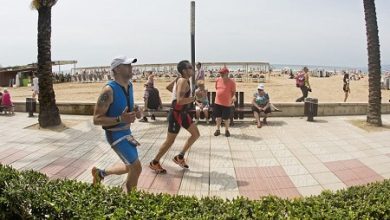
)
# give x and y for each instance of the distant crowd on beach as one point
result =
(100, 75)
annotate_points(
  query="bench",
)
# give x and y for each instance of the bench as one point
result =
(239, 109)
(5, 109)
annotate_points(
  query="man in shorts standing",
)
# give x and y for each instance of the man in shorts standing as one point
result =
(178, 117)
(225, 91)
(115, 111)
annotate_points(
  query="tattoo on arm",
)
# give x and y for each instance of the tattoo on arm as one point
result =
(103, 99)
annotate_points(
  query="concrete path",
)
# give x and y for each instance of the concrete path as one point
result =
(290, 157)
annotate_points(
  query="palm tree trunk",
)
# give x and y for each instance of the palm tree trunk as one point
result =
(48, 110)
(374, 65)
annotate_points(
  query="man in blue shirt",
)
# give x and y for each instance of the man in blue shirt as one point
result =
(115, 111)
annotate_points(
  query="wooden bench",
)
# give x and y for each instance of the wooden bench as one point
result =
(239, 109)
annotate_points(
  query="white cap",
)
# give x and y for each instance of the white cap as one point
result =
(261, 86)
(122, 60)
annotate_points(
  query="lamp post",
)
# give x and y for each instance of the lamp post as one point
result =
(193, 42)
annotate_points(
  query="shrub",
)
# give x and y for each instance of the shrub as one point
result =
(31, 195)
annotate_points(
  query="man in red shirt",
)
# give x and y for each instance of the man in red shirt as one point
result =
(225, 91)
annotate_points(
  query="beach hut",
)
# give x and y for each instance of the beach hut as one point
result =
(21, 75)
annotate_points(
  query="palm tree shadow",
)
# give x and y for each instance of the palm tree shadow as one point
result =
(223, 180)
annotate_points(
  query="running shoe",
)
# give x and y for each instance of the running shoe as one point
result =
(156, 167)
(180, 162)
(96, 176)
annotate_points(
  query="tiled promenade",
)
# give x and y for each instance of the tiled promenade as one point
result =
(290, 157)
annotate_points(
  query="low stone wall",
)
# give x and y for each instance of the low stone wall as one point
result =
(288, 109)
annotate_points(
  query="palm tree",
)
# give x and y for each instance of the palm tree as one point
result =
(48, 110)
(374, 65)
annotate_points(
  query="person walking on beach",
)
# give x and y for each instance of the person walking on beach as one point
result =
(346, 88)
(115, 111)
(178, 117)
(225, 91)
(302, 82)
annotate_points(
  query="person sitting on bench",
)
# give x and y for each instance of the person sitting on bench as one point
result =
(152, 101)
(201, 101)
(261, 103)
(7, 103)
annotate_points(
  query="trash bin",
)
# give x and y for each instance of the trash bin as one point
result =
(31, 106)
(311, 108)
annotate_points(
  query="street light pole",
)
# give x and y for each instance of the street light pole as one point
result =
(193, 41)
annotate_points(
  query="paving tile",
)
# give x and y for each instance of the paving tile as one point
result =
(357, 174)
(310, 190)
(335, 166)
(316, 168)
(267, 162)
(7, 152)
(326, 178)
(20, 154)
(381, 168)
(292, 170)
(225, 194)
(375, 160)
(286, 193)
(303, 180)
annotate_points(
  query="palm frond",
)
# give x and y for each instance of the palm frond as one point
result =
(35, 4)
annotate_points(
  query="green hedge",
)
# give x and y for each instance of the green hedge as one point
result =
(30, 195)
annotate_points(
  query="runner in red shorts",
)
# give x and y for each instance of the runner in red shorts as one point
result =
(178, 117)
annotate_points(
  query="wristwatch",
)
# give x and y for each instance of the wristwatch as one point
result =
(118, 119)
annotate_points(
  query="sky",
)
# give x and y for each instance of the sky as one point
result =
(306, 32)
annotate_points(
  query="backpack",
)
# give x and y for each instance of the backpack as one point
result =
(153, 98)
(300, 79)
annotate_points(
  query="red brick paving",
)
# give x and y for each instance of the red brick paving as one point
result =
(75, 169)
(7, 152)
(255, 182)
(353, 172)
(12, 157)
(169, 183)
(56, 166)
(146, 178)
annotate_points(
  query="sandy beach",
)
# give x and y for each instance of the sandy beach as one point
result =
(280, 89)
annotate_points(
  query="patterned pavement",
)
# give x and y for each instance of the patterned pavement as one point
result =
(290, 157)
